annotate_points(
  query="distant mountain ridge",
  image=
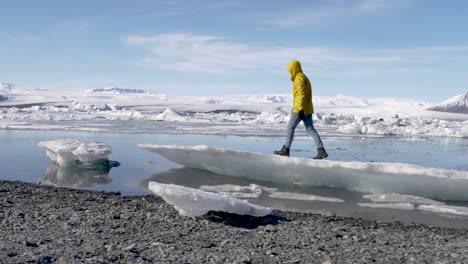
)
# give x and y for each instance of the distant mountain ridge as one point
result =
(117, 90)
(456, 104)
(7, 87)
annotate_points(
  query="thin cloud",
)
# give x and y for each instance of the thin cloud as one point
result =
(183, 52)
(24, 40)
(74, 26)
(333, 12)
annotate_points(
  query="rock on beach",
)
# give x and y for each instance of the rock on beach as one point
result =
(46, 224)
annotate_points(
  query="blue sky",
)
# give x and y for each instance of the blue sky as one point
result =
(367, 48)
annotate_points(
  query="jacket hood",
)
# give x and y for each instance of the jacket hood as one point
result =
(294, 67)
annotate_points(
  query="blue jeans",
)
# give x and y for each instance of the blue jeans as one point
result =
(309, 126)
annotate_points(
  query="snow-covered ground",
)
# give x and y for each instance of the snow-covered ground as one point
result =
(29, 108)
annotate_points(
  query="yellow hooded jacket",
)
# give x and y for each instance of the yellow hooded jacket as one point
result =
(302, 89)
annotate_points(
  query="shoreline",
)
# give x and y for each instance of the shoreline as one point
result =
(46, 224)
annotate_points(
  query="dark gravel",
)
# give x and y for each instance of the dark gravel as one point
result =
(44, 224)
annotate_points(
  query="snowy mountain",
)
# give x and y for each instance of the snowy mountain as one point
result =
(5, 87)
(457, 104)
(339, 100)
(117, 90)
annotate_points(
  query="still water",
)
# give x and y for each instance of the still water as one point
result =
(21, 159)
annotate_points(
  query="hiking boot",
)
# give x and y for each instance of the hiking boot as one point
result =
(321, 153)
(283, 152)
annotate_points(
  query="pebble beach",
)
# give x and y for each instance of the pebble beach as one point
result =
(46, 224)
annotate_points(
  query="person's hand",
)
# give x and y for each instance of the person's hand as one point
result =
(301, 115)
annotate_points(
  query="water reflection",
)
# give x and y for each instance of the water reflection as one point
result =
(196, 178)
(78, 177)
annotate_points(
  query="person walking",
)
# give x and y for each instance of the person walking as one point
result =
(302, 111)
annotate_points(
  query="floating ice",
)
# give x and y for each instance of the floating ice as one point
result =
(193, 202)
(3, 98)
(396, 125)
(75, 106)
(68, 152)
(399, 198)
(255, 191)
(400, 206)
(250, 191)
(445, 209)
(374, 177)
(303, 197)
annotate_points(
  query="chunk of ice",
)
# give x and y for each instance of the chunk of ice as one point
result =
(193, 202)
(304, 197)
(445, 209)
(399, 198)
(401, 206)
(255, 191)
(375, 177)
(238, 191)
(69, 152)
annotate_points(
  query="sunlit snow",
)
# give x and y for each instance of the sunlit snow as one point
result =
(193, 202)
(239, 114)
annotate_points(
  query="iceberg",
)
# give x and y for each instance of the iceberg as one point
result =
(68, 152)
(193, 202)
(371, 177)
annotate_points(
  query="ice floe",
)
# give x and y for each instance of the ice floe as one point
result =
(67, 152)
(400, 206)
(399, 198)
(303, 197)
(193, 202)
(407, 126)
(374, 177)
(255, 191)
(445, 209)
(238, 191)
